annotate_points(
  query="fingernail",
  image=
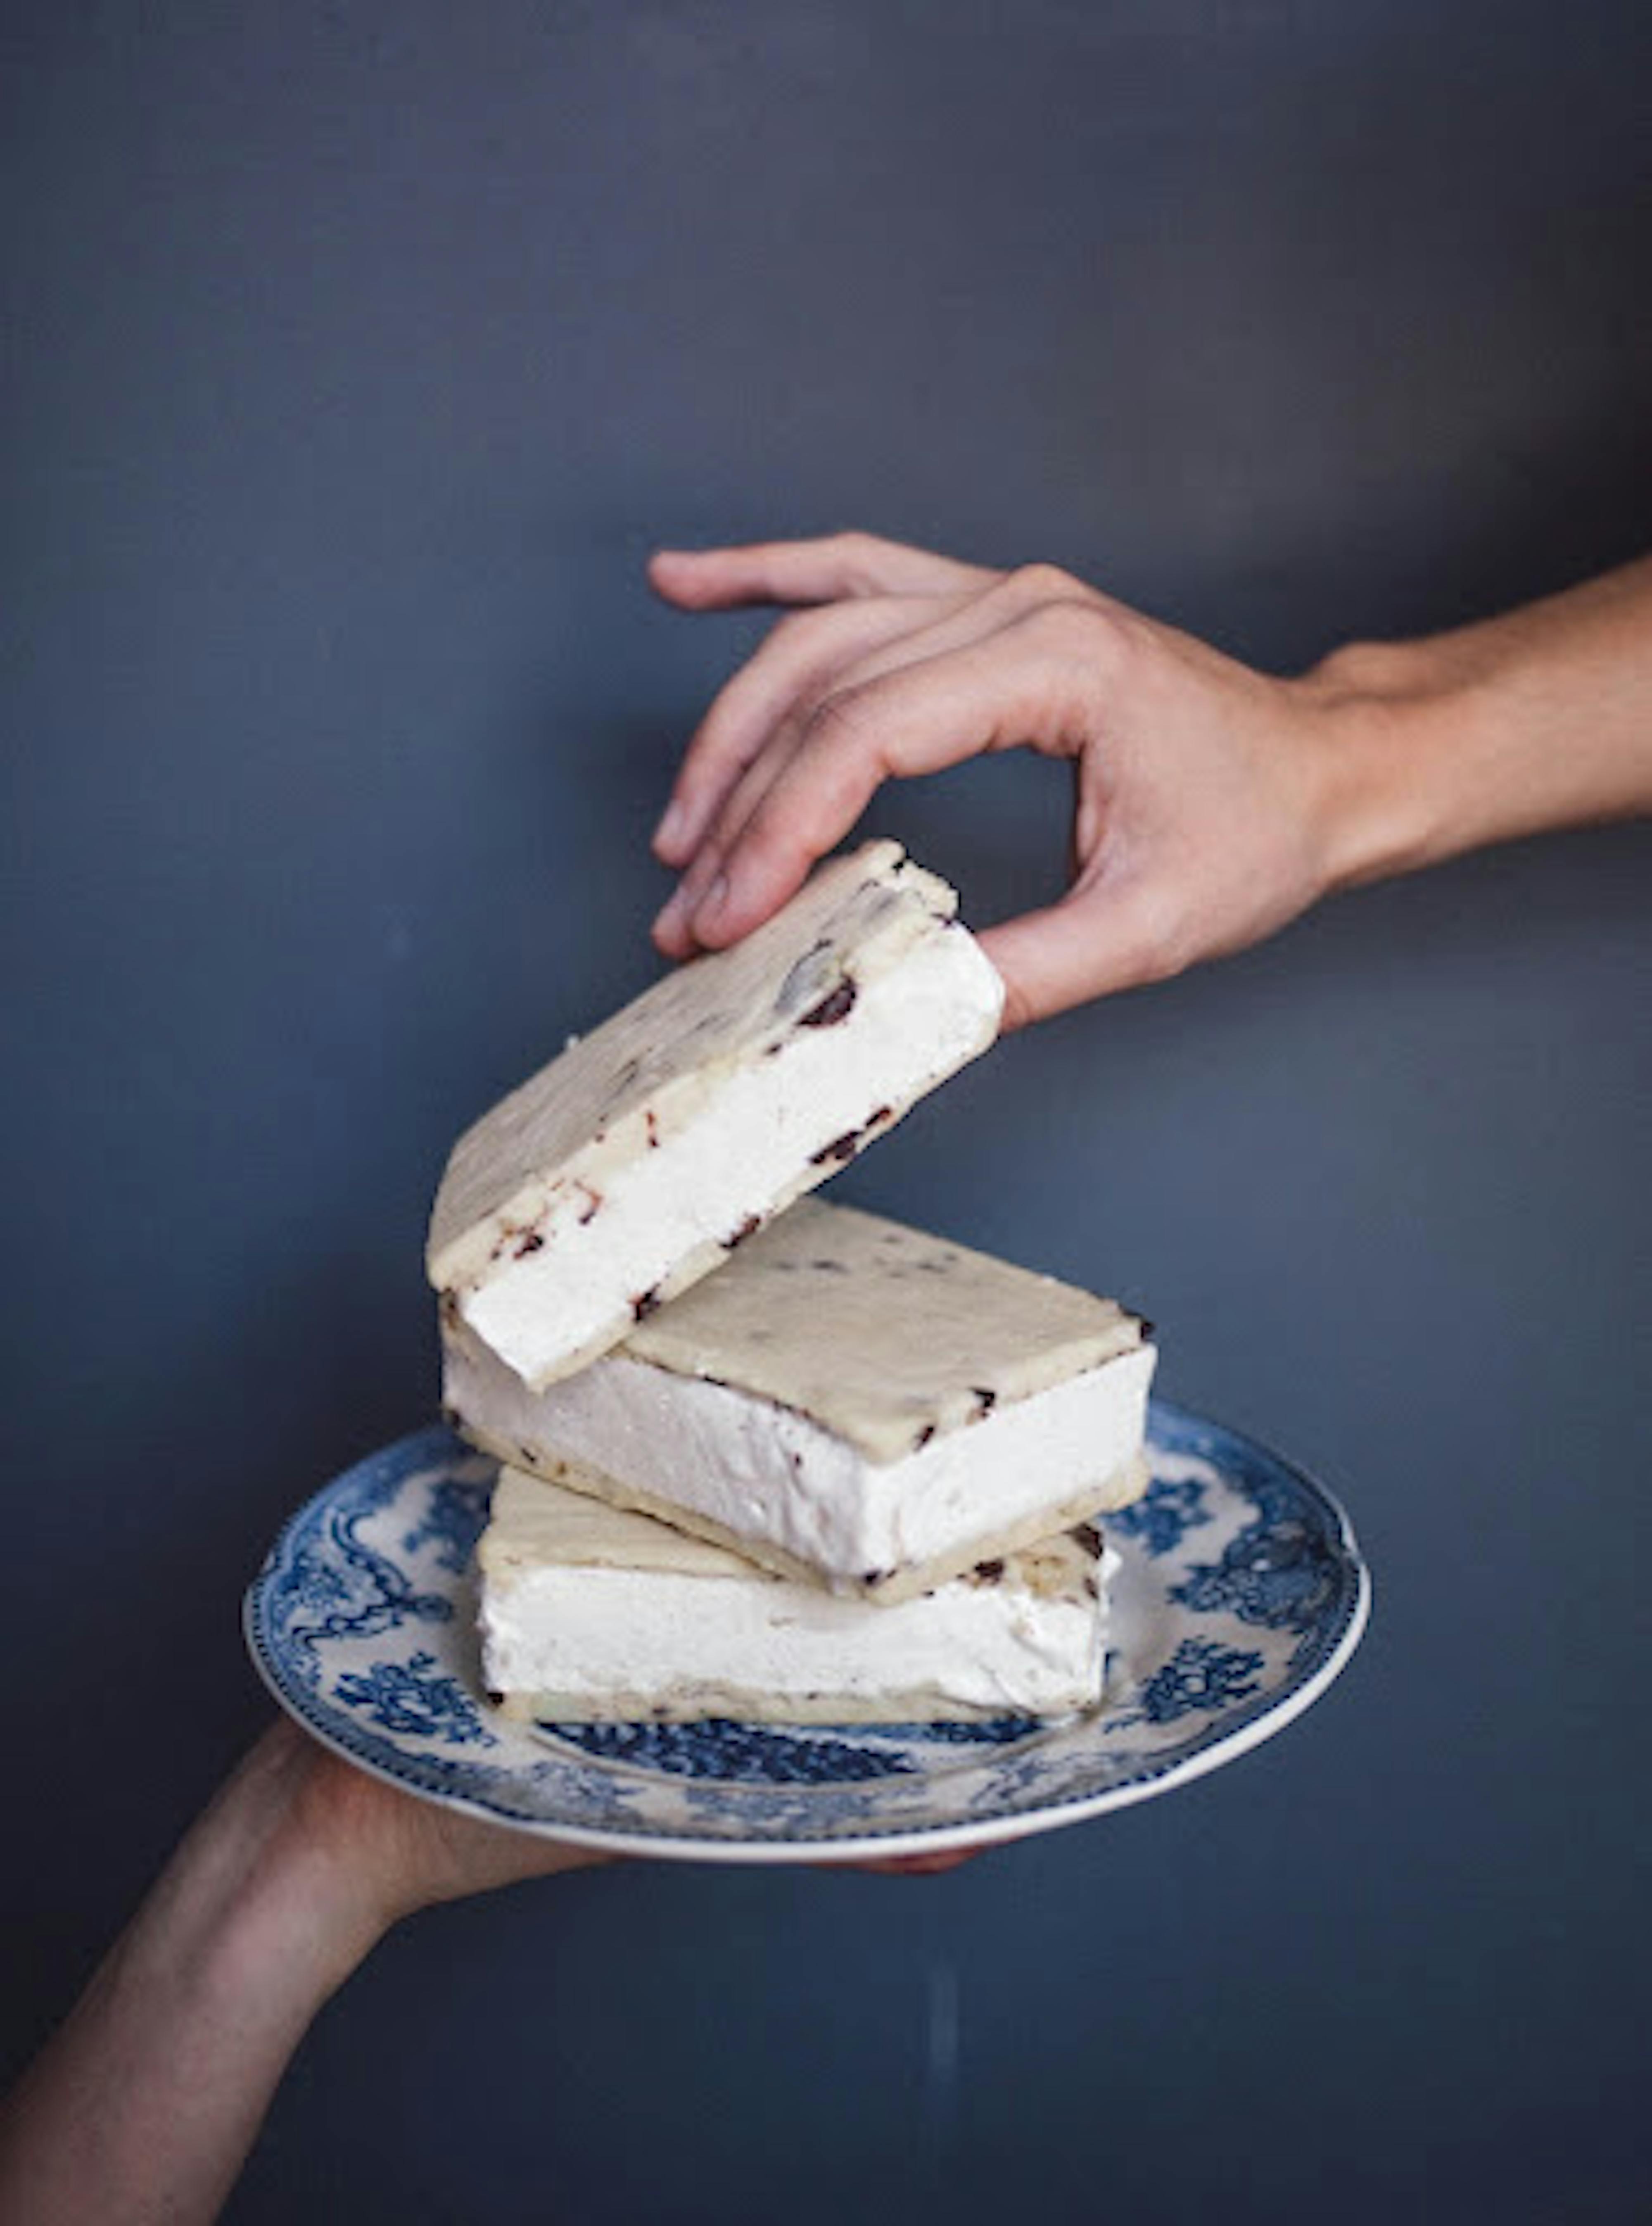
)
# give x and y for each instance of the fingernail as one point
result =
(712, 904)
(673, 826)
(670, 914)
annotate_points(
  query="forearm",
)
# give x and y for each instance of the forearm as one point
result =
(1538, 720)
(144, 2104)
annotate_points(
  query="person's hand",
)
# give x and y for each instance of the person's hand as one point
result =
(1203, 814)
(1211, 803)
(376, 1854)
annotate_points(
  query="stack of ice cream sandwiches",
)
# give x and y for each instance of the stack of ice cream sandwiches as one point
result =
(760, 1456)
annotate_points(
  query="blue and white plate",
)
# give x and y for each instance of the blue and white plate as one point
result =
(1241, 1595)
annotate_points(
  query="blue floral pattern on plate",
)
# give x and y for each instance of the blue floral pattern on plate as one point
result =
(1241, 1596)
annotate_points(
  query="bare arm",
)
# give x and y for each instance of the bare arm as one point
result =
(144, 2106)
(1213, 803)
(1538, 720)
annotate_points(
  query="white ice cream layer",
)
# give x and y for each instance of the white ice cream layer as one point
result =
(591, 1633)
(769, 1475)
(611, 1640)
(767, 1135)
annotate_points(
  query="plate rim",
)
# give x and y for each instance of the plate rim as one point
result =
(835, 1850)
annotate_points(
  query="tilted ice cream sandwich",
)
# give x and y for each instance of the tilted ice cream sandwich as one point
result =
(628, 1167)
(848, 1402)
(591, 1613)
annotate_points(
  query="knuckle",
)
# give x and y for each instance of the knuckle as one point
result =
(860, 555)
(1075, 630)
(1042, 583)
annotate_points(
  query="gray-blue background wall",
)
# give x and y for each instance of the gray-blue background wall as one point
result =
(354, 356)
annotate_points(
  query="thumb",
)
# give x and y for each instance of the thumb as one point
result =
(1093, 942)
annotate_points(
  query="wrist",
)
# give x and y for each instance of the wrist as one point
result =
(1392, 752)
(260, 1898)
(298, 1928)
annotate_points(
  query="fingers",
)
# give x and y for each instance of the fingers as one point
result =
(918, 1866)
(761, 714)
(1014, 685)
(827, 570)
(795, 663)
(773, 826)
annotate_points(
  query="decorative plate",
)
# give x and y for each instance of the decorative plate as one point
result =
(1241, 1595)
